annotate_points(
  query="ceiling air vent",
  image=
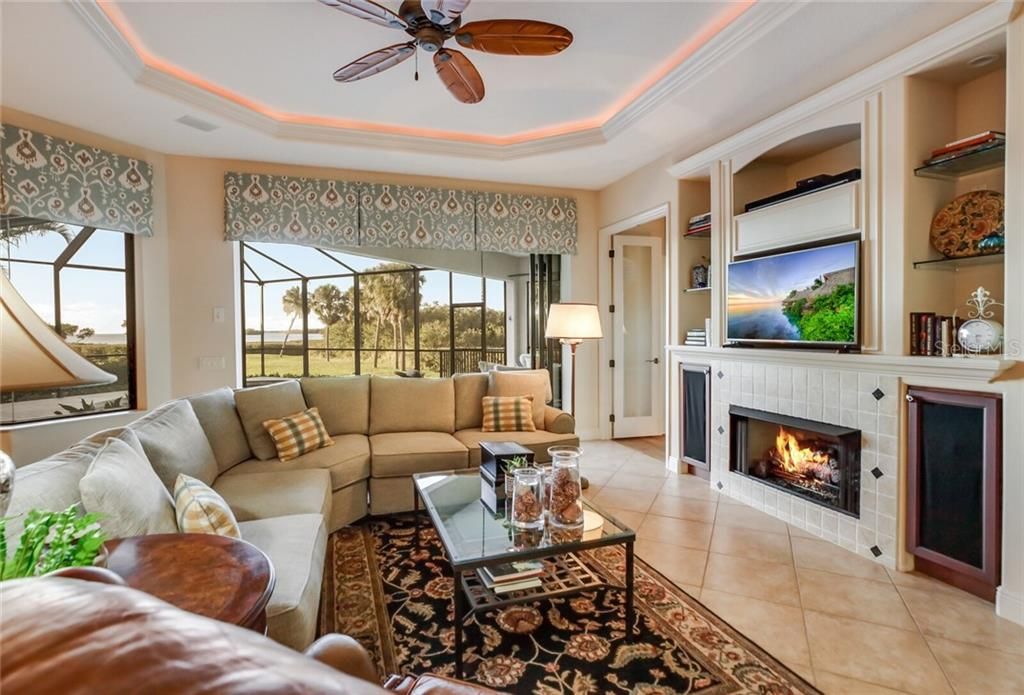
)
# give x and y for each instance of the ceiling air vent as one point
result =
(197, 123)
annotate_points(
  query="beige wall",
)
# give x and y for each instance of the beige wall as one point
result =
(187, 269)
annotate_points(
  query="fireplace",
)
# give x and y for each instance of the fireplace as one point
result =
(816, 461)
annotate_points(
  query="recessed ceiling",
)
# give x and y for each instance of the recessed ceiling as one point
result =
(642, 80)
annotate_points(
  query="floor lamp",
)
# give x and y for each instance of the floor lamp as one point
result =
(34, 357)
(571, 323)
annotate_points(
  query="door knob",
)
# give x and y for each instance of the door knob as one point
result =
(654, 361)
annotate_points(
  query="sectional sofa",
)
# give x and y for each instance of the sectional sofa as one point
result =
(385, 429)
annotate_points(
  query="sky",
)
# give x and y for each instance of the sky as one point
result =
(95, 298)
(769, 280)
(91, 298)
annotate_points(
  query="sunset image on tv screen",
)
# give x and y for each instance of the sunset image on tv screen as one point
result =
(804, 296)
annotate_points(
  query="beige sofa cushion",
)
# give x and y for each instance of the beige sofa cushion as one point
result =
(411, 405)
(344, 402)
(121, 487)
(348, 461)
(470, 390)
(216, 413)
(535, 382)
(260, 403)
(280, 493)
(296, 546)
(176, 443)
(404, 453)
(537, 442)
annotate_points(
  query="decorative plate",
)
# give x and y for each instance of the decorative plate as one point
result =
(960, 226)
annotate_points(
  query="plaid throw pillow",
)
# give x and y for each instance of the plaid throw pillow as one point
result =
(508, 414)
(298, 434)
(201, 510)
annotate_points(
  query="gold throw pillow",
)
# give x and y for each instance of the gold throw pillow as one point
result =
(508, 414)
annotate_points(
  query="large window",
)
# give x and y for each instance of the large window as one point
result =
(313, 312)
(79, 280)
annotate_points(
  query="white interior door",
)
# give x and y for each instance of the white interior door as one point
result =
(638, 376)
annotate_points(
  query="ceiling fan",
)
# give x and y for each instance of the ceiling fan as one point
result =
(432, 22)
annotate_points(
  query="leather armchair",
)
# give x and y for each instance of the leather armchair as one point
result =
(86, 632)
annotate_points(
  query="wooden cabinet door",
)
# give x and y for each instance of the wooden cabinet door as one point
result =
(954, 463)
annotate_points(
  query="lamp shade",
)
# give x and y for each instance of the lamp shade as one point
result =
(573, 321)
(32, 355)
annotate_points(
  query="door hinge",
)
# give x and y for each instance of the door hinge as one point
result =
(611, 253)
(611, 308)
(611, 418)
(611, 363)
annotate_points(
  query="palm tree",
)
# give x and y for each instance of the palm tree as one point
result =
(291, 302)
(330, 306)
(16, 232)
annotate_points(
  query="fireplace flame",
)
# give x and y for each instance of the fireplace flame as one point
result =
(798, 459)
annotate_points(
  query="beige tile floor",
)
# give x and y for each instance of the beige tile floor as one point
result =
(841, 621)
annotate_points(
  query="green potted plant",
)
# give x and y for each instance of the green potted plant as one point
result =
(51, 541)
(511, 466)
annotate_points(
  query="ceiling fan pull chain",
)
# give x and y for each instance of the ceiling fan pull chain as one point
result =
(416, 74)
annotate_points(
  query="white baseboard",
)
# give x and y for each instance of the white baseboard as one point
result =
(1010, 606)
(672, 463)
(589, 434)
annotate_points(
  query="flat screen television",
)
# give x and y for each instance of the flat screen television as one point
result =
(807, 297)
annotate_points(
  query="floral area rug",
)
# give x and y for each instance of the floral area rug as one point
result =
(396, 599)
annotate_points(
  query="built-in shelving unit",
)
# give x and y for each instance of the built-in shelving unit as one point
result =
(955, 264)
(975, 162)
(946, 103)
(694, 302)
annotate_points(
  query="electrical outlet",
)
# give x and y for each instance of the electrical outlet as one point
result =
(218, 314)
(211, 363)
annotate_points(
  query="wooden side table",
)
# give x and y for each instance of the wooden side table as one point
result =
(214, 576)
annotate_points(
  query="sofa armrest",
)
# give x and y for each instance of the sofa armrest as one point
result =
(430, 684)
(558, 421)
(344, 654)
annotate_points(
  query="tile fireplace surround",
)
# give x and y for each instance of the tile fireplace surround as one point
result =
(846, 398)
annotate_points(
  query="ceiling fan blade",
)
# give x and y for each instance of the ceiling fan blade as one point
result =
(444, 11)
(370, 11)
(523, 37)
(373, 63)
(459, 75)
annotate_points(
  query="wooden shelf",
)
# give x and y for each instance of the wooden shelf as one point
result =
(697, 289)
(706, 234)
(954, 264)
(979, 160)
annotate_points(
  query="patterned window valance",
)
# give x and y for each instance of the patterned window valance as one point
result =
(64, 181)
(338, 214)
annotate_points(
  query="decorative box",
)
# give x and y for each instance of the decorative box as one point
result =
(492, 468)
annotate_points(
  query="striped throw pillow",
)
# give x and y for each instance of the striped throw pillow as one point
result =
(298, 434)
(508, 414)
(201, 510)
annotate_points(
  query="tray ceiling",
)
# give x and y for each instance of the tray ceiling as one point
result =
(641, 80)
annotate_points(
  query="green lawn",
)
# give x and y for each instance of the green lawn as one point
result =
(340, 364)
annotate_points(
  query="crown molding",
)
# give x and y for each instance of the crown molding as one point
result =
(737, 36)
(974, 27)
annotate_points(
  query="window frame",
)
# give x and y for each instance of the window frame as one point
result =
(357, 349)
(65, 261)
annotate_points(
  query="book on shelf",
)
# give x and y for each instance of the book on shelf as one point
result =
(511, 572)
(932, 335)
(690, 231)
(981, 138)
(697, 219)
(956, 154)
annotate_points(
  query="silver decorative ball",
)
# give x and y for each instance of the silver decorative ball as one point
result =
(6, 482)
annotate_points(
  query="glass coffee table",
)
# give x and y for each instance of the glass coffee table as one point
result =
(475, 537)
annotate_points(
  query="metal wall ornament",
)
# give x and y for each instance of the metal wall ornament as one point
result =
(980, 332)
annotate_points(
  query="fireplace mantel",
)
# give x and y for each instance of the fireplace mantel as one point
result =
(981, 368)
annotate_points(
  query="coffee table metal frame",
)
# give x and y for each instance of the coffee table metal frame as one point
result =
(568, 573)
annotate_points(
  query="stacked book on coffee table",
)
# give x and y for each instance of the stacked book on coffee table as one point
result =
(512, 576)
